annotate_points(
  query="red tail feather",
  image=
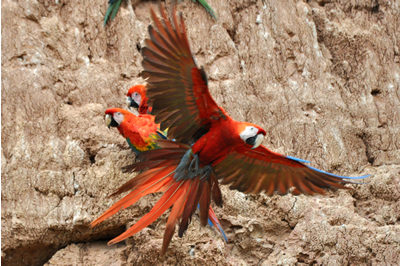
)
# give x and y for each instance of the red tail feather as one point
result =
(205, 203)
(176, 213)
(190, 206)
(158, 176)
(156, 185)
(141, 179)
(171, 195)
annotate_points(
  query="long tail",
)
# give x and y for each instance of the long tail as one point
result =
(158, 169)
(213, 221)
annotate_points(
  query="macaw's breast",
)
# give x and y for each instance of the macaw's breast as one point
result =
(138, 132)
(216, 144)
(134, 138)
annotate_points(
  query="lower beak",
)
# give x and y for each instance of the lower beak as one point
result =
(259, 139)
(108, 120)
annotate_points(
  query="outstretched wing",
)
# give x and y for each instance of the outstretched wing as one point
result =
(177, 88)
(253, 171)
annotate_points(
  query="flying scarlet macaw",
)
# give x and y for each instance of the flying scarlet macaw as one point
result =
(140, 132)
(136, 98)
(210, 145)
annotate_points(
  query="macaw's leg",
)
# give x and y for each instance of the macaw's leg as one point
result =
(182, 170)
(189, 167)
(196, 163)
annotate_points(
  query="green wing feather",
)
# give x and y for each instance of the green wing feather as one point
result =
(112, 9)
(208, 8)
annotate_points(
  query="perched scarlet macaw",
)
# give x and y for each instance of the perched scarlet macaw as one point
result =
(217, 146)
(140, 132)
(136, 98)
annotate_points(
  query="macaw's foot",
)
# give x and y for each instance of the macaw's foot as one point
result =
(189, 167)
(194, 164)
(182, 170)
(206, 171)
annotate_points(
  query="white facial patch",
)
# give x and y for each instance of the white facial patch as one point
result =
(118, 117)
(249, 132)
(136, 97)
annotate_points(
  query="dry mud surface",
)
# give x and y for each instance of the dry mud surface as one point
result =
(321, 76)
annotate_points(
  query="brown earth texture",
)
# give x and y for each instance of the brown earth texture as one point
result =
(322, 77)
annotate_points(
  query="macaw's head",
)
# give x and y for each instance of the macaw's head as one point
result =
(251, 134)
(135, 96)
(115, 116)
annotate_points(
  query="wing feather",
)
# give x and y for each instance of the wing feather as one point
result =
(253, 171)
(175, 82)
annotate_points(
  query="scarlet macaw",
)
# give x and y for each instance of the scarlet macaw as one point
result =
(210, 145)
(140, 132)
(136, 98)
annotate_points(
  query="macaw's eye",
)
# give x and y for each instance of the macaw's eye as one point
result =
(136, 94)
(251, 141)
(118, 113)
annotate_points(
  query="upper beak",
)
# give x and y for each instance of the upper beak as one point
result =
(258, 141)
(128, 102)
(108, 120)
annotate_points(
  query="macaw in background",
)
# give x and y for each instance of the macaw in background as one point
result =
(136, 98)
(210, 145)
(140, 132)
(114, 6)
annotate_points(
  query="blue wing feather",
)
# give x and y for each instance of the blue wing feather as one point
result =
(315, 169)
(339, 176)
(297, 159)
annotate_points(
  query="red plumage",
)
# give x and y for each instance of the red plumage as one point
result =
(216, 146)
(137, 93)
(139, 131)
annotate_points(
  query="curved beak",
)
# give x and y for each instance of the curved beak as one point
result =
(131, 103)
(258, 141)
(108, 119)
